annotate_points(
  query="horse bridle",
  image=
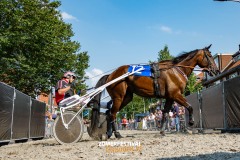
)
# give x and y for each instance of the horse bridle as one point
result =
(210, 65)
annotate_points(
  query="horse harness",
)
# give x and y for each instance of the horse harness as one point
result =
(156, 74)
(181, 72)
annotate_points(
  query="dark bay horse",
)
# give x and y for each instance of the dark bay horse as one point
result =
(172, 82)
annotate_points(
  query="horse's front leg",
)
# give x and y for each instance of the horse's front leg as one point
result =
(165, 113)
(191, 119)
(182, 101)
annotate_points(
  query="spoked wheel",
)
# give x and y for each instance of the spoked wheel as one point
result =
(71, 134)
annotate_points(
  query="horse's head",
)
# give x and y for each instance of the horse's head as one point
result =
(206, 61)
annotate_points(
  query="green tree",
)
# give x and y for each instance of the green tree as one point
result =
(192, 85)
(36, 46)
(134, 107)
(164, 54)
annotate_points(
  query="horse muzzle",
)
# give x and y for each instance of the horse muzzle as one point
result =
(213, 72)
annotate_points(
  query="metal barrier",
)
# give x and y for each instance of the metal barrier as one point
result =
(219, 106)
(21, 117)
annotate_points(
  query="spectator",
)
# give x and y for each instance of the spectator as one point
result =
(132, 124)
(48, 113)
(182, 118)
(148, 121)
(119, 122)
(144, 123)
(170, 120)
(124, 123)
(158, 118)
(176, 116)
(54, 112)
(152, 120)
(181, 112)
(49, 122)
(136, 123)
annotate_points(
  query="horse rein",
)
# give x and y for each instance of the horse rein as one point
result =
(183, 66)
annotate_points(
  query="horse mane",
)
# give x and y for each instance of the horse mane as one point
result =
(165, 61)
(184, 55)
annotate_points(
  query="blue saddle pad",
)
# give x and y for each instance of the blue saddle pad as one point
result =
(145, 72)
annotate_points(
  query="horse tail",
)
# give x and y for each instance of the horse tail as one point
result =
(96, 107)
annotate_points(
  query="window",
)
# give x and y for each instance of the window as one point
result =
(233, 75)
(216, 61)
(217, 82)
(237, 58)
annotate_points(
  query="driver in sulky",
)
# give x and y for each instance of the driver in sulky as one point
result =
(65, 87)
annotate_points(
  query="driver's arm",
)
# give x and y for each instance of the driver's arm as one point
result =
(61, 91)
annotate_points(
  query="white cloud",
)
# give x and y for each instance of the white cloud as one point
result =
(94, 75)
(162, 28)
(67, 16)
(166, 29)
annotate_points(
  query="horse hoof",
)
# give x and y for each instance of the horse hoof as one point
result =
(191, 123)
(118, 135)
(104, 137)
(162, 133)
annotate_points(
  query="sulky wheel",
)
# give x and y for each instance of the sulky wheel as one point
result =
(71, 134)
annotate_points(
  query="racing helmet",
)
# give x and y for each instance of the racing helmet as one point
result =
(68, 74)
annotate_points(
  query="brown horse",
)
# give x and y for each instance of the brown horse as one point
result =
(172, 82)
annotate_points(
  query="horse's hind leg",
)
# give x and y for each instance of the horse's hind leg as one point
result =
(127, 98)
(115, 108)
(165, 118)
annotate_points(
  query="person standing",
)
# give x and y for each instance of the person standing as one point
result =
(159, 118)
(144, 123)
(182, 119)
(64, 87)
(176, 116)
(152, 120)
(124, 123)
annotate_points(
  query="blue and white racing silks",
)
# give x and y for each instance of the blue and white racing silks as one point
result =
(145, 72)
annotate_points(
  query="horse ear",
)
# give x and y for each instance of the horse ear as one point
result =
(208, 47)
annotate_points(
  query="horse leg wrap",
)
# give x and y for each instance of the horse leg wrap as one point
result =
(114, 127)
(117, 135)
(191, 120)
(109, 127)
(190, 110)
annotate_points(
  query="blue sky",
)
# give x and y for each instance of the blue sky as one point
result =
(119, 32)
